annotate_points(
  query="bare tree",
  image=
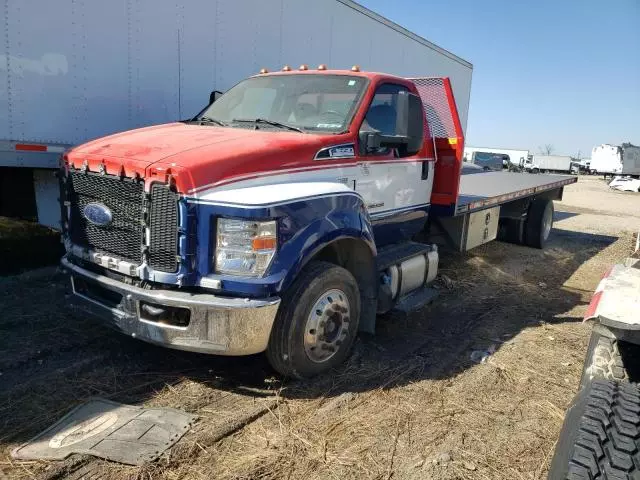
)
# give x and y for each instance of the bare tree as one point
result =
(548, 149)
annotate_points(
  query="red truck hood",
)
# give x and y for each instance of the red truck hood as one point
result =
(199, 155)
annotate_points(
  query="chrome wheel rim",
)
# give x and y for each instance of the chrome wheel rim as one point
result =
(547, 222)
(327, 325)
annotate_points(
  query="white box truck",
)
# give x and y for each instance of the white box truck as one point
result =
(549, 164)
(615, 160)
(87, 69)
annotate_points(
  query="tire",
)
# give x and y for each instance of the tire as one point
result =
(511, 230)
(597, 440)
(320, 309)
(539, 223)
(535, 170)
(603, 360)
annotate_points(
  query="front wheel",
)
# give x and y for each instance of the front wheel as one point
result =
(317, 321)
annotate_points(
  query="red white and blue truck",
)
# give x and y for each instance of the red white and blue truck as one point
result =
(284, 216)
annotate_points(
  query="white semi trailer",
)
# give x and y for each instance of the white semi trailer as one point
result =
(615, 160)
(87, 69)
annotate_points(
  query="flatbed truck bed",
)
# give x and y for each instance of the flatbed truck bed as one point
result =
(497, 205)
(488, 189)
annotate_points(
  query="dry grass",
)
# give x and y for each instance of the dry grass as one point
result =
(408, 404)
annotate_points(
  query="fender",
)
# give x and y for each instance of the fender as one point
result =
(310, 216)
(348, 223)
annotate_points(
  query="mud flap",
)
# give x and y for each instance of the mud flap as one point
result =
(109, 430)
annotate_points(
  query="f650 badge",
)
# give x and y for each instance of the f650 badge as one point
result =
(98, 214)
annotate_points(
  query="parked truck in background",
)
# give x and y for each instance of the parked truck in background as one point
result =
(615, 160)
(509, 156)
(285, 215)
(88, 69)
(550, 164)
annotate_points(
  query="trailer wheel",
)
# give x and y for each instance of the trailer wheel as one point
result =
(316, 323)
(603, 360)
(511, 230)
(598, 437)
(539, 223)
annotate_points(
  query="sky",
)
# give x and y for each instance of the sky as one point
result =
(559, 72)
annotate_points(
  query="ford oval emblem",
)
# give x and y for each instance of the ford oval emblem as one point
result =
(98, 214)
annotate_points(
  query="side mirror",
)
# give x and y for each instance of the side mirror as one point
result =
(374, 140)
(410, 122)
(409, 134)
(213, 96)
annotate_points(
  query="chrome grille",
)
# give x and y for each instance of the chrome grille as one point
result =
(131, 211)
(123, 237)
(163, 225)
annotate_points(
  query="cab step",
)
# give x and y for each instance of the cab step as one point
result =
(399, 252)
(415, 300)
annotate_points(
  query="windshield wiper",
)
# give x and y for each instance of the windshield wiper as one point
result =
(211, 120)
(268, 122)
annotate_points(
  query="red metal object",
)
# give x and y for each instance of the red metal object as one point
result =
(593, 306)
(444, 124)
(597, 296)
(26, 147)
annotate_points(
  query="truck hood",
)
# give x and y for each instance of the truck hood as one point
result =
(199, 155)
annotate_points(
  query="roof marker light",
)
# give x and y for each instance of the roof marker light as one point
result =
(286, 68)
(355, 68)
(322, 66)
(263, 71)
(303, 67)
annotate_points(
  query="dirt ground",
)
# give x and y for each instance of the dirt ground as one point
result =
(412, 402)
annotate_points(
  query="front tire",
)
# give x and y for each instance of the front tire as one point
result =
(317, 322)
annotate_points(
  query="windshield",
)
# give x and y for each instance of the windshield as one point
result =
(323, 103)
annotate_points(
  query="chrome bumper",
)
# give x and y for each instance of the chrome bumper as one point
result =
(220, 325)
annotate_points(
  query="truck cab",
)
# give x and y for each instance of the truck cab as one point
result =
(281, 218)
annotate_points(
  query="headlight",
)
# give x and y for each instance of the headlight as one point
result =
(244, 247)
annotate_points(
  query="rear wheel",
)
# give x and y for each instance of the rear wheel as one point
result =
(317, 321)
(539, 223)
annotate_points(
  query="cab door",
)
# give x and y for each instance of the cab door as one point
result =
(395, 189)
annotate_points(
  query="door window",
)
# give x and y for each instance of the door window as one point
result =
(381, 115)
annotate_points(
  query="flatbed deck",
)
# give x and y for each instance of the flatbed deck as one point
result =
(487, 189)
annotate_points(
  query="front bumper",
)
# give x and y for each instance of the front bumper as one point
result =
(220, 325)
